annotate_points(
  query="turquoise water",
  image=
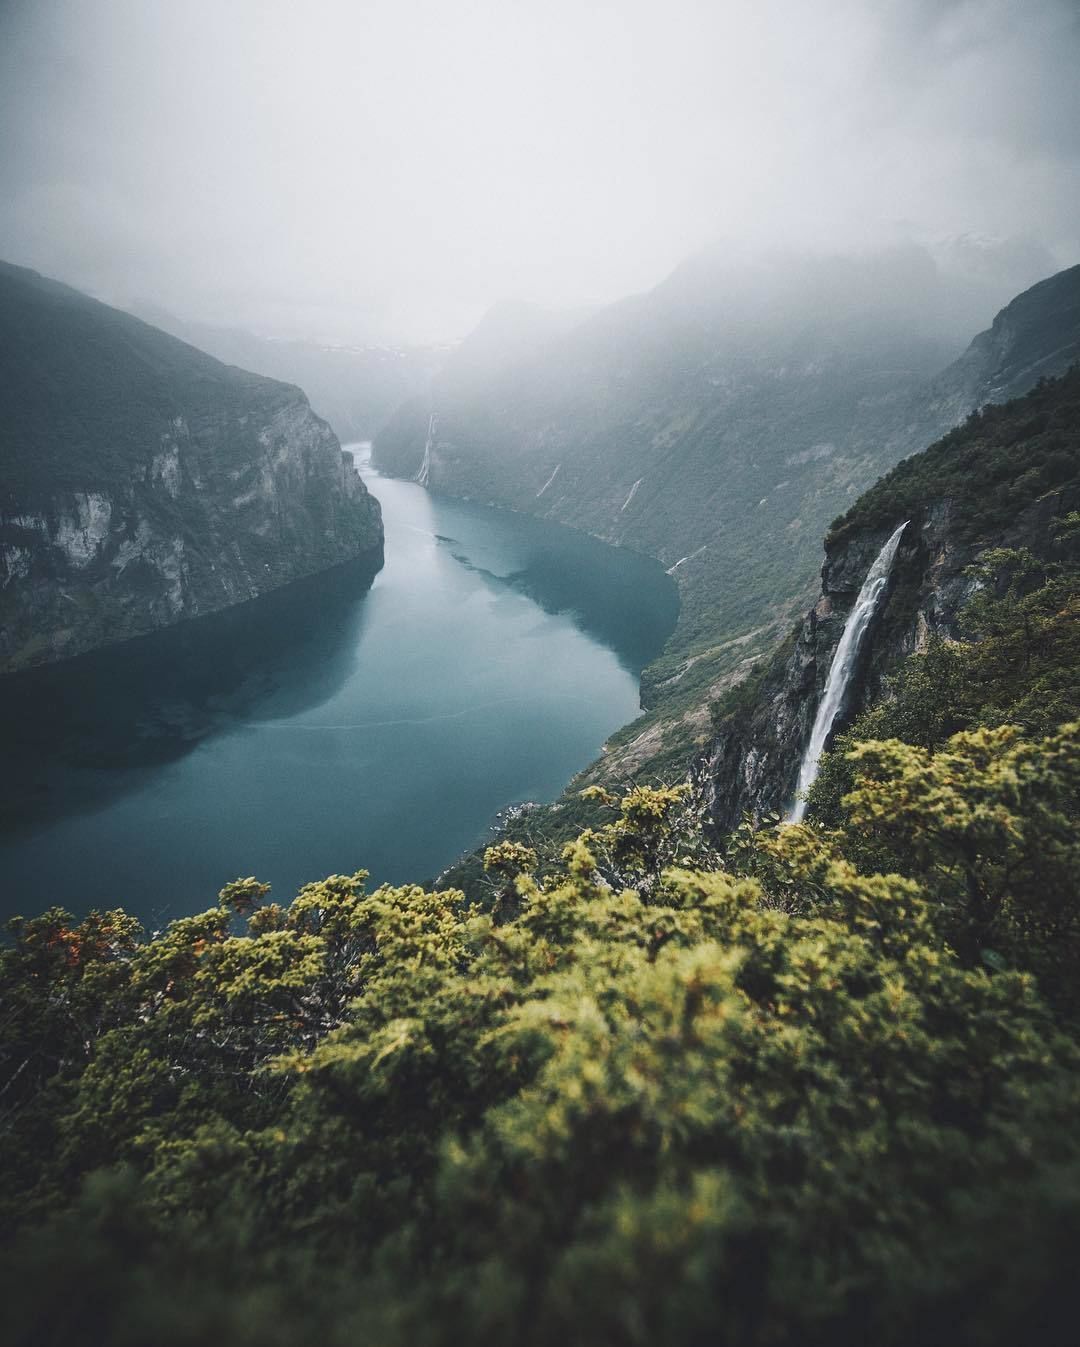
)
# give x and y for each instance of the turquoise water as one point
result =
(350, 721)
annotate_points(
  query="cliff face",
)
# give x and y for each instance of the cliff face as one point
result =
(753, 765)
(145, 483)
(1003, 480)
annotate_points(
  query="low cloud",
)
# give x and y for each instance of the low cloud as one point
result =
(388, 169)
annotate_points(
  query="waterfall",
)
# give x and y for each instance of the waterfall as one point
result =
(841, 669)
(425, 467)
(549, 480)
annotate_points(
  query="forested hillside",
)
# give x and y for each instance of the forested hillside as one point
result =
(144, 482)
(808, 1084)
(719, 423)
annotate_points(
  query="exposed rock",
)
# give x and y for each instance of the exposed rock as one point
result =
(753, 764)
(153, 485)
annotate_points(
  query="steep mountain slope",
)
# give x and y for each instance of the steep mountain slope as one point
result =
(718, 423)
(144, 482)
(356, 389)
(1037, 334)
(510, 333)
(662, 421)
(1006, 478)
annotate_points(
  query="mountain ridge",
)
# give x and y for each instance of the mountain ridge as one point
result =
(145, 482)
(355, 389)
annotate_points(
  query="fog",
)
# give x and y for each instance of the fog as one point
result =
(359, 170)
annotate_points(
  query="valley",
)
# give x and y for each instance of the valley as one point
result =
(719, 423)
(375, 715)
(539, 673)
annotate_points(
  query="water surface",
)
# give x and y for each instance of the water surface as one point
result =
(346, 722)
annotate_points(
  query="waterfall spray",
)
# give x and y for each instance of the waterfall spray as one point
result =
(425, 467)
(841, 669)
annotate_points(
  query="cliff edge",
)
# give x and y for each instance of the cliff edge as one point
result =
(142, 482)
(1003, 479)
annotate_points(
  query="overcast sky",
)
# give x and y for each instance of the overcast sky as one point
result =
(386, 169)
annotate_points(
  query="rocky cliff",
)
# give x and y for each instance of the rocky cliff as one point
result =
(1004, 479)
(143, 482)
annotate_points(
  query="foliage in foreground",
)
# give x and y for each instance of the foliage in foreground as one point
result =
(658, 1097)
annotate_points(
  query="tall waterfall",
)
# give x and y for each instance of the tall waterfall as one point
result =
(425, 467)
(841, 668)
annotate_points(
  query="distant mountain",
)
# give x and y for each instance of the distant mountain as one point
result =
(143, 482)
(510, 332)
(720, 422)
(356, 389)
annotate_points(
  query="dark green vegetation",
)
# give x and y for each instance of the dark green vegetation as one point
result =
(798, 1086)
(990, 469)
(144, 482)
(86, 391)
(661, 1097)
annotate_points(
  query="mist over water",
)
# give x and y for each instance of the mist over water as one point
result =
(330, 726)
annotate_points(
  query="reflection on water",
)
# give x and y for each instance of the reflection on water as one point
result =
(337, 724)
(152, 700)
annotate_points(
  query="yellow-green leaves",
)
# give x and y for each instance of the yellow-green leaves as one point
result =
(643, 1100)
(988, 825)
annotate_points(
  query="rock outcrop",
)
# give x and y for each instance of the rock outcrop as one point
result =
(144, 483)
(1005, 479)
